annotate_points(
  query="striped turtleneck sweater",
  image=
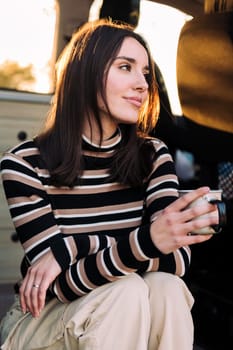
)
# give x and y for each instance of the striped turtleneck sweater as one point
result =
(95, 230)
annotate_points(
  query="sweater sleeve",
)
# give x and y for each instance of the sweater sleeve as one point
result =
(133, 253)
(33, 217)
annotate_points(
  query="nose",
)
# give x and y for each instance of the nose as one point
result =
(141, 82)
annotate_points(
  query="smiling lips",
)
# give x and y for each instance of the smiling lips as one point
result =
(136, 101)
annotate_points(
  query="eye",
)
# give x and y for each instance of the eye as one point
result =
(126, 67)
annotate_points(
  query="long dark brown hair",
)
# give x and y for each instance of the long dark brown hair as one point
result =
(82, 71)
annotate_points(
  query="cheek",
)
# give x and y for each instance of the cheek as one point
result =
(115, 84)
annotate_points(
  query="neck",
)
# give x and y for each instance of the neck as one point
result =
(92, 132)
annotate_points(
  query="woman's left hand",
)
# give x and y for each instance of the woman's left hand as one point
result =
(36, 282)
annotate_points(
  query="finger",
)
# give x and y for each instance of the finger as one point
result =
(39, 295)
(194, 239)
(182, 202)
(199, 222)
(204, 208)
(42, 295)
(28, 295)
(25, 291)
(39, 303)
(35, 291)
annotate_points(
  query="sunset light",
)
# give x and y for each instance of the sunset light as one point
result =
(161, 25)
(27, 30)
(28, 27)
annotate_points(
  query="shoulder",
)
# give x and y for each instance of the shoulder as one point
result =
(25, 152)
(162, 158)
(21, 148)
(158, 145)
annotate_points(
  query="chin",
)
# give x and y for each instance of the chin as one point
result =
(129, 120)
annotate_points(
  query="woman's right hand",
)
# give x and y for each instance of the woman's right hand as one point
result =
(33, 289)
(170, 230)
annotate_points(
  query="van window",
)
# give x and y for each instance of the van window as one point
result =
(161, 25)
(27, 33)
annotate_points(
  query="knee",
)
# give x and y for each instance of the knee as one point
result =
(132, 288)
(131, 295)
(169, 287)
(165, 281)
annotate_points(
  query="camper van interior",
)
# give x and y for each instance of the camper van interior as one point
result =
(192, 45)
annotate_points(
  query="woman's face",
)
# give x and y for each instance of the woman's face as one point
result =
(126, 85)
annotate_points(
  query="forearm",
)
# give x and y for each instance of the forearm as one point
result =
(114, 262)
(129, 255)
(176, 263)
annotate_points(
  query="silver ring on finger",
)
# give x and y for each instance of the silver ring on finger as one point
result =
(36, 285)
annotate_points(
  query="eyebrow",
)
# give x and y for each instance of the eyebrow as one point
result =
(129, 59)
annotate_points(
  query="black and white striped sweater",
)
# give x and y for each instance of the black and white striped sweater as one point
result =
(94, 230)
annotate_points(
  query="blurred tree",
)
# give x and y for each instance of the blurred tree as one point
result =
(14, 76)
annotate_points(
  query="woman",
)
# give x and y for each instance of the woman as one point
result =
(94, 202)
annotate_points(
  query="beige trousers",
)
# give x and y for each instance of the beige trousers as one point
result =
(133, 313)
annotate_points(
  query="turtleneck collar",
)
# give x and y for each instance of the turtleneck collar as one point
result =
(107, 144)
